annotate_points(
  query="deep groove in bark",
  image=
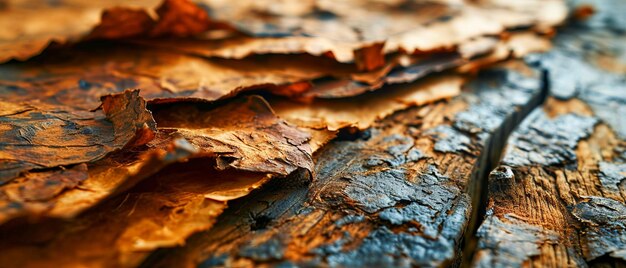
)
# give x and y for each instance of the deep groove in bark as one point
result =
(489, 159)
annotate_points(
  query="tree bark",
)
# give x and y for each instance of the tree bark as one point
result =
(399, 194)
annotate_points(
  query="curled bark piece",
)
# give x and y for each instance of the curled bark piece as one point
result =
(166, 208)
(389, 27)
(45, 136)
(30, 31)
(180, 18)
(136, 22)
(243, 134)
(473, 56)
(81, 77)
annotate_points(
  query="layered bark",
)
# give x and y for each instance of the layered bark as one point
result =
(170, 175)
(394, 195)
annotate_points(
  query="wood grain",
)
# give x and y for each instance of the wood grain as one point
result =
(559, 196)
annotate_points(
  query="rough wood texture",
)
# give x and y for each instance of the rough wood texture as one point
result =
(197, 176)
(394, 195)
(559, 197)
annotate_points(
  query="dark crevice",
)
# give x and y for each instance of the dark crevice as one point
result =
(353, 134)
(607, 261)
(260, 222)
(488, 160)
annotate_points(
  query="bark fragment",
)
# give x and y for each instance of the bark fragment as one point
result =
(45, 136)
(178, 18)
(243, 134)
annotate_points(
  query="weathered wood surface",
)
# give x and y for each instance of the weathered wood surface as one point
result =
(394, 195)
(558, 198)
(409, 191)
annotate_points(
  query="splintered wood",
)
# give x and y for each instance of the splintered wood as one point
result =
(169, 133)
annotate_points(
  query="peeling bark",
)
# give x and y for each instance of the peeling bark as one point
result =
(370, 146)
(147, 210)
(41, 136)
(410, 27)
(242, 134)
(78, 77)
(32, 27)
(66, 192)
(363, 32)
(387, 197)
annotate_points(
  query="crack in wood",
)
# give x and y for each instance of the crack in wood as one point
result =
(488, 161)
(559, 192)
